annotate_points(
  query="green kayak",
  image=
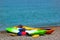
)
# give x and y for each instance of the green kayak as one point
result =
(40, 32)
(13, 30)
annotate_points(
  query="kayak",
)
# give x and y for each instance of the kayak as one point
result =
(34, 32)
(13, 30)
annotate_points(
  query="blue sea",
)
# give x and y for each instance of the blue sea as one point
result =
(34, 13)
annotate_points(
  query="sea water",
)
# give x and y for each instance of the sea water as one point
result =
(34, 13)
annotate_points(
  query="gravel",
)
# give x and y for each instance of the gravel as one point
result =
(54, 36)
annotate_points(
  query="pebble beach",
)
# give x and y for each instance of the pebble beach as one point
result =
(54, 36)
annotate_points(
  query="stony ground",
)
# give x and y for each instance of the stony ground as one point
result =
(54, 36)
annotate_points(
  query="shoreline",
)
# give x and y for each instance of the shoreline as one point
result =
(54, 36)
